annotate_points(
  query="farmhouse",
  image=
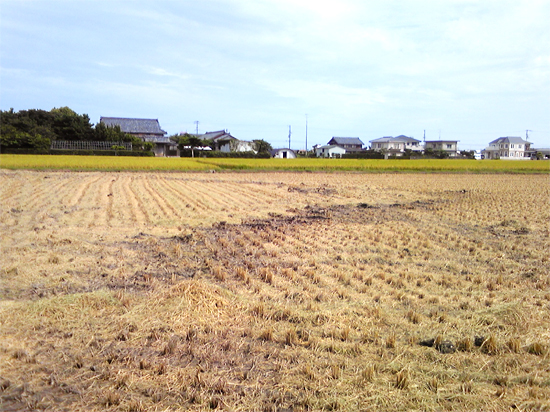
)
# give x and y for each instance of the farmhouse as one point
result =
(283, 154)
(350, 144)
(508, 148)
(448, 146)
(224, 142)
(329, 151)
(395, 146)
(146, 129)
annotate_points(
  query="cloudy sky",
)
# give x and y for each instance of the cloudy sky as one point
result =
(457, 69)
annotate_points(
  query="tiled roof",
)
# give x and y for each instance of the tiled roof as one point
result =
(399, 139)
(129, 125)
(509, 139)
(346, 140)
(220, 134)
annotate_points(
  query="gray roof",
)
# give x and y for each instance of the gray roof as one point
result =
(400, 138)
(217, 135)
(346, 140)
(509, 139)
(441, 141)
(130, 125)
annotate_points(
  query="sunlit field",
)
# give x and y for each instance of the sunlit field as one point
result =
(131, 291)
(121, 163)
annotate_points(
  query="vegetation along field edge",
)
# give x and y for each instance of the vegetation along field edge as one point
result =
(114, 163)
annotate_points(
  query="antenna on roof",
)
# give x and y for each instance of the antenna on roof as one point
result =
(197, 124)
(527, 134)
(424, 135)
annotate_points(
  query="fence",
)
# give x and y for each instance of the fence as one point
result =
(87, 145)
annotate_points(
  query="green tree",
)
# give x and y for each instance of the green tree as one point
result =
(106, 133)
(68, 125)
(261, 146)
(189, 140)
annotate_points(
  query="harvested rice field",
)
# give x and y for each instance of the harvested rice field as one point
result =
(131, 291)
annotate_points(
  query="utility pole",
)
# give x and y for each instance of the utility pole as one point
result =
(306, 134)
(289, 134)
(424, 136)
(527, 134)
(197, 124)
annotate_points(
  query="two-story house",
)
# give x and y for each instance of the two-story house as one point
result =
(350, 144)
(396, 145)
(448, 146)
(508, 148)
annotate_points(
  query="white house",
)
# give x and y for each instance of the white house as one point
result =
(448, 146)
(329, 151)
(283, 153)
(395, 145)
(508, 148)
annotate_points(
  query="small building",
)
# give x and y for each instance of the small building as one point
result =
(283, 154)
(350, 144)
(332, 151)
(146, 129)
(508, 148)
(448, 146)
(396, 146)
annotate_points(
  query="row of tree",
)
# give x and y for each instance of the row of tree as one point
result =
(36, 129)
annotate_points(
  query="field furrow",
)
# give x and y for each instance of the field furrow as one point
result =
(272, 291)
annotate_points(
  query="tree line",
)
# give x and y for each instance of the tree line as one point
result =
(35, 129)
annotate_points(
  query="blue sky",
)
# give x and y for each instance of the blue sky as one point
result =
(464, 70)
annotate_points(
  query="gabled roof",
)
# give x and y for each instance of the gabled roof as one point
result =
(217, 135)
(398, 139)
(441, 141)
(130, 125)
(509, 139)
(346, 140)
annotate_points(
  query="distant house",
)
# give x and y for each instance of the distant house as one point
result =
(146, 129)
(396, 146)
(508, 148)
(224, 142)
(448, 146)
(350, 144)
(329, 151)
(283, 153)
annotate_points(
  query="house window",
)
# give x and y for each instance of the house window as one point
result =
(519, 146)
(512, 146)
(449, 146)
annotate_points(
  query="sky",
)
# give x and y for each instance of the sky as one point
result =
(461, 70)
